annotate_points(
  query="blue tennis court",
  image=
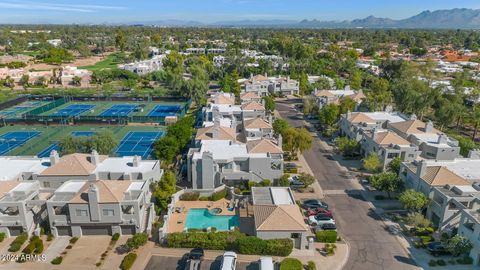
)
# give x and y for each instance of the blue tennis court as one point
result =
(14, 139)
(138, 144)
(164, 110)
(46, 152)
(119, 110)
(83, 133)
(73, 110)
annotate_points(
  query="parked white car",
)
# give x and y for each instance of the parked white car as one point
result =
(266, 263)
(320, 220)
(229, 261)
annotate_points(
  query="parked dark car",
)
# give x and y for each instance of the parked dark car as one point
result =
(196, 254)
(327, 227)
(314, 204)
(437, 249)
(290, 165)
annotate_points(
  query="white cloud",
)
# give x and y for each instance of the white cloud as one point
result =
(28, 5)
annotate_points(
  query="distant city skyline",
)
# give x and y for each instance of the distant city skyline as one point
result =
(209, 11)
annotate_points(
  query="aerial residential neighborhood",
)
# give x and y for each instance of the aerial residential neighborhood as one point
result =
(240, 135)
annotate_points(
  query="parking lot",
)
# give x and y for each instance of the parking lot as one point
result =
(160, 262)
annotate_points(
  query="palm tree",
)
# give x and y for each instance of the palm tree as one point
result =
(475, 120)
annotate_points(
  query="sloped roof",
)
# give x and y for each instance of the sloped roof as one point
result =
(260, 78)
(360, 118)
(110, 191)
(207, 133)
(263, 146)
(385, 138)
(324, 93)
(7, 186)
(223, 99)
(440, 176)
(278, 218)
(359, 96)
(256, 123)
(249, 95)
(252, 106)
(73, 164)
(411, 126)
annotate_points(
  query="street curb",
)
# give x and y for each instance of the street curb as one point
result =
(345, 259)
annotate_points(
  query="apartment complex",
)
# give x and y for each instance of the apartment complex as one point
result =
(325, 97)
(262, 85)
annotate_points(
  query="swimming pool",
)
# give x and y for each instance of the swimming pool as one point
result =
(200, 218)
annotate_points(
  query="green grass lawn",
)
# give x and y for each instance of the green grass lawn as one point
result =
(107, 63)
(51, 134)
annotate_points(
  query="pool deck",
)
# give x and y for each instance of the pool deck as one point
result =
(177, 220)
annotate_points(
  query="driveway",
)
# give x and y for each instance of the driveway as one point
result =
(371, 246)
(170, 263)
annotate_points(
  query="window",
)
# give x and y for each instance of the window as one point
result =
(46, 184)
(81, 213)
(108, 212)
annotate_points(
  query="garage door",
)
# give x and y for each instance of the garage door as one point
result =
(128, 230)
(63, 230)
(96, 230)
(14, 231)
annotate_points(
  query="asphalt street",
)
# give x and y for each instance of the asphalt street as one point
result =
(371, 246)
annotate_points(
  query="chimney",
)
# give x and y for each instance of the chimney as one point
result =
(421, 168)
(270, 119)
(280, 141)
(442, 139)
(54, 157)
(216, 128)
(374, 134)
(266, 75)
(93, 200)
(95, 158)
(413, 117)
(347, 88)
(136, 161)
(429, 127)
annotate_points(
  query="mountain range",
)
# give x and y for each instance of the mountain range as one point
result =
(459, 18)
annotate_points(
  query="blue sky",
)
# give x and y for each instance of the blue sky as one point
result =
(126, 11)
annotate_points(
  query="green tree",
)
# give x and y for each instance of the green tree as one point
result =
(280, 126)
(25, 81)
(349, 147)
(297, 140)
(388, 182)
(136, 241)
(166, 149)
(372, 163)
(347, 104)
(306, 179)
(458, 245)
(304, 85)
(394, 165)
(356, 80)
(103, 142)
(283, 181)
(121, 40)
(269, 103)
(76, 81)
(329, 114)
(413, 200)
(163, 190)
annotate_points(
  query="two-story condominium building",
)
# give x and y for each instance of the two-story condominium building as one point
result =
(432, 143)
(263, 85)
(18, 210)
(233, 112)
(21, 168)
(100, 207)
(217, 162)
(257, 128)
(325, 97)
(96, 167)
(470, 228)
(248, 97)
(387, 145)
(352, 125)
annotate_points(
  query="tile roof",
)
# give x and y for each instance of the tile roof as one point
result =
(386, 138)
(7, 186)
(359, 96)
(73, 164)
(222, 99)
(360, 118)
(260, 78)
(249, 95)
(256, 123)
(253, 106)
(278, 218)
(411, 126)
(440, 176)
(224, 133)
(110, 191)
(263, 146)
(324, 93)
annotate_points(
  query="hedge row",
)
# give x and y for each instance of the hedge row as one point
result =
(326, 236)
(18, 242)
(128, 261)
(233, 240)
(35, 246)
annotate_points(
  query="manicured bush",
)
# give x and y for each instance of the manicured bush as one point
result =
(57, 260)
(326, 236)
(190, 196)
(2, 237)
(465, 260)
(137, 240)
(128, 261)
(216, 196)
(441, 263)
(311, 265)
(39, 247)
(69, 247)
(204, 199)
(426, 239)
(329, 249)
(73, 240)
(278, 247)
(29, 248)
(251, 245)
(21, 238)
(291, 264)
(115, 236)
(14, 247)
(49, 237)
(432, 263)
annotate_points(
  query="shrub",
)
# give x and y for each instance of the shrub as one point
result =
(426, 239)
(128, 261)
(2, 237)
(251, 245)
(21, 238)
(291, 264)
(50, 237)
(379, 197)
(73, 240)
(29, 248)
(69, 247)
(137, 240)
(14, 247)
(441, 262)
(39, 247)
(265, 183)
(311, 265)
(98, 264)
(278, 247)
(330, 249)
(219, 195)
(57, 260)
(190, 196)
(326, 236)
(432, 263)
(203, 199)
(465, 260)
(115, 236)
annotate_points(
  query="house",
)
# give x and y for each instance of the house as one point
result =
(217, 162)
(100, 208)
(54, 42)
(218, 60)
(388, 146)
(325, 97)
(21, 168)
(145, 66)
(257, 128)
(93, 166)
(276, 215)
(68, 73)
(352, 125)
(470, 228)
(248, 97)
(263, 85)
(432, 143)
(18, 210)
(222, 98)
